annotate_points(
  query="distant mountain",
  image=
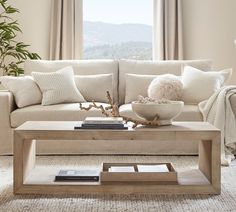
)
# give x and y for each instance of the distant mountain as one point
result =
(128, 50)
(105, 40)
(99, 33)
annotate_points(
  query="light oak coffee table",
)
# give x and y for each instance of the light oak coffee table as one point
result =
(30, 179)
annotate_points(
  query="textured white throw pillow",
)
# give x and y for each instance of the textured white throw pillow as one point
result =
(166, 86)
(200, 85)
(135, 85)
(25, 90)
(95, 87)
(58, 87)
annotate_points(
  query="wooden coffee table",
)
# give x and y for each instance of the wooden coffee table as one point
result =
(29, 179)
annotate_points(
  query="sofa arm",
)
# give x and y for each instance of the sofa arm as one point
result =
(233, 103)
(7, 105)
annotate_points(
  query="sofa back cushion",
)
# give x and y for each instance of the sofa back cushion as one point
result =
(80, 67)
(132, 91)
(155, 68)
(94, 87)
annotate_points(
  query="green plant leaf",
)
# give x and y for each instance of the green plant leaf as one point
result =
(11, 9)
(10, 49)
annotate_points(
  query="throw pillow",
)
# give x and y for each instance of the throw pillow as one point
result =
(95, 87)
(24, 89)
(58, 87)
(136, 84)
(199, 85)
(167, 86)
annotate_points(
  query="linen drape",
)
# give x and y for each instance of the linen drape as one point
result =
(66, 30)
(167, 30)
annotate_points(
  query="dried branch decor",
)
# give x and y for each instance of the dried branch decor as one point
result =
(113, 111)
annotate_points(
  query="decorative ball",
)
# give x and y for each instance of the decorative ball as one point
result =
(167, 86)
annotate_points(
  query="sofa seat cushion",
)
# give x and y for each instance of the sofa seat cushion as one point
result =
(60, 112)
(189, 113)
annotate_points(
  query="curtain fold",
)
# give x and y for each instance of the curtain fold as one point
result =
(66, 34)
(167, 30)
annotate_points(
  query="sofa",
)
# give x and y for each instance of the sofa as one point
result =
(11, 117)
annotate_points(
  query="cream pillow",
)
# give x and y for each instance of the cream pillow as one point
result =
(167, 86)
(25, 90)
(199, 85)
(136, 85)
(95, 87)
(58, 87)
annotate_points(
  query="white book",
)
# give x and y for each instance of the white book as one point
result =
(103, 120)
(121, 169)
(153, 168)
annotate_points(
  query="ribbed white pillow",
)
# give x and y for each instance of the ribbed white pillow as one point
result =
(200, 85)
(58, 87)
(95, 87)
(25, 90)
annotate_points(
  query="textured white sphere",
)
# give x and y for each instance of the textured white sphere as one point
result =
(167, 86)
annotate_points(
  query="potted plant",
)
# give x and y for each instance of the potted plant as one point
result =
(12, 52)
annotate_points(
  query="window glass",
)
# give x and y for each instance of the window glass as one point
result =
(117, 29)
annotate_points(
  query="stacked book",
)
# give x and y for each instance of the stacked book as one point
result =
(78, 175)
(102, 123)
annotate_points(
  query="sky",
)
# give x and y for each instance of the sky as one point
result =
(119, 11)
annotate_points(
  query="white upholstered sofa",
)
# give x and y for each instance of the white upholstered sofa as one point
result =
(12, 117)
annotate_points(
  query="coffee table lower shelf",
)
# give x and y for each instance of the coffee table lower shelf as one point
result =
(41, 181)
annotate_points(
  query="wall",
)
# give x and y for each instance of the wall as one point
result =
(34, 19)
(210, 31)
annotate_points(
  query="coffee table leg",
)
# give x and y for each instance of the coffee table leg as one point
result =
(205, 158)
(216, 163)
(209, 161)
(24, 160)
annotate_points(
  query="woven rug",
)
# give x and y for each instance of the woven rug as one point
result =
(102, 203)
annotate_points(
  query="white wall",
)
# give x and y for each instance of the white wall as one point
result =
(34, 19)
(210, 31)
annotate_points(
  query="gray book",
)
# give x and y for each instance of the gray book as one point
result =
(101, 126)
(103, 120)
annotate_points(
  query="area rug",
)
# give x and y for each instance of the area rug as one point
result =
(102, 203)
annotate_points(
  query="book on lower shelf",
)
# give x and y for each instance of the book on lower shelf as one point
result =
(121, 169)
(152, 168)
(78, 175)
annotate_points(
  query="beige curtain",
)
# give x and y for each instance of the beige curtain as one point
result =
(66, 37)
(167, 30)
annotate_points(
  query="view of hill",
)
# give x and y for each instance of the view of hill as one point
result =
(104, 40)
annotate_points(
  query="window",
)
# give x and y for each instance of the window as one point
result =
(117, 29)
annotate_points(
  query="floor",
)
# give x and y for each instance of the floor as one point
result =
(99, 203)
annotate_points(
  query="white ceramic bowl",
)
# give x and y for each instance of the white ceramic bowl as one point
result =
(166, 112)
